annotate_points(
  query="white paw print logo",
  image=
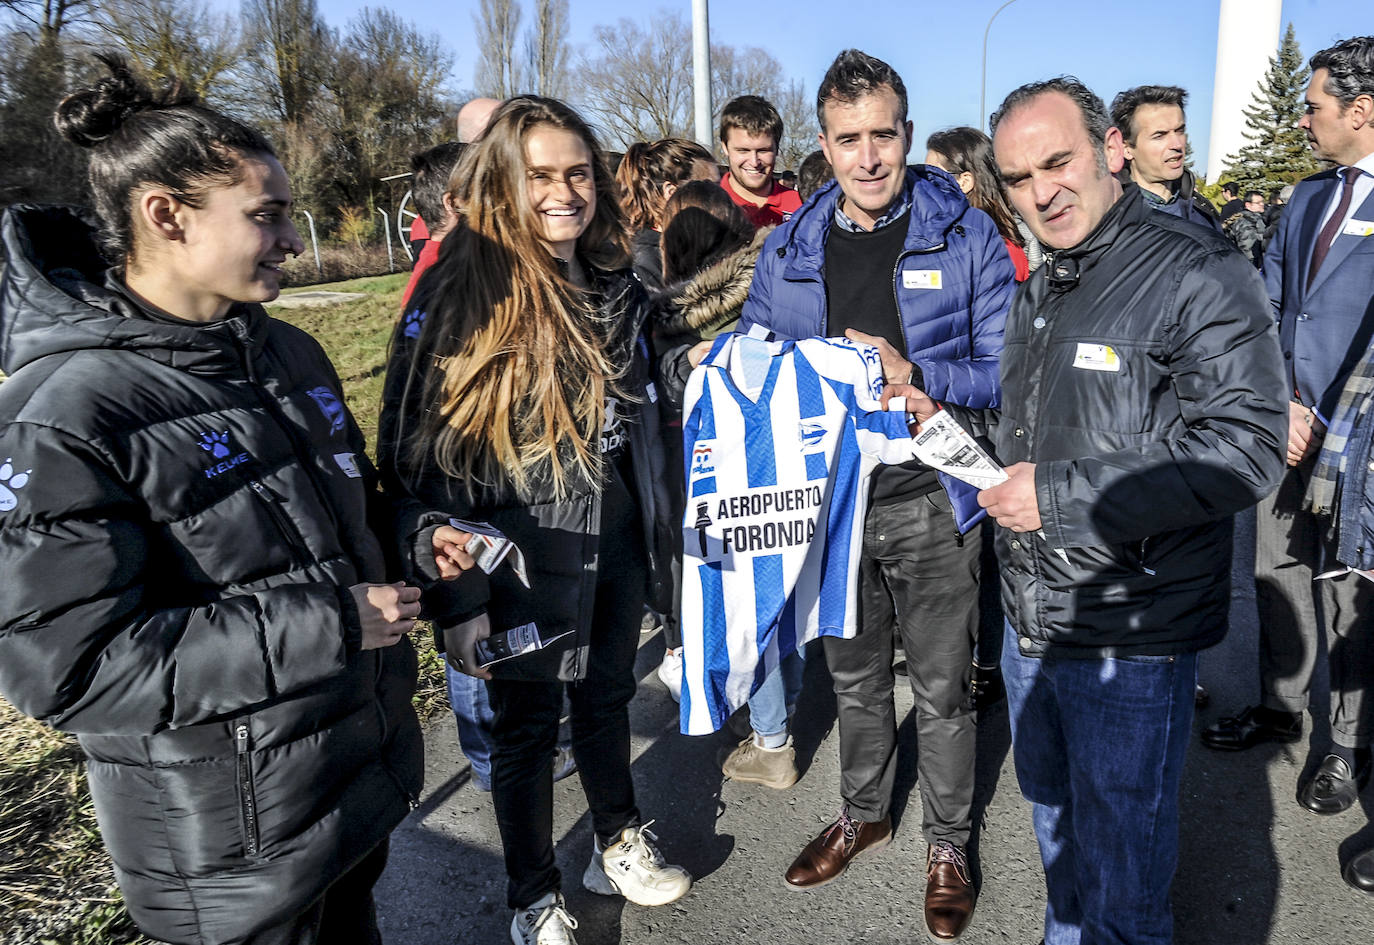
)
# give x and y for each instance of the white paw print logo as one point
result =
(10, 482)
(216, 444)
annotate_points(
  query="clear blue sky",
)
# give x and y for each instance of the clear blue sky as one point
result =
(937, 46)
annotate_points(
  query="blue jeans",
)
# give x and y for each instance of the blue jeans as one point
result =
(1099, 747)
(472, 711)
(768, 707)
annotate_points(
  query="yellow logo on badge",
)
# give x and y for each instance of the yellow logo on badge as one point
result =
(921, 279)
(1092, 357)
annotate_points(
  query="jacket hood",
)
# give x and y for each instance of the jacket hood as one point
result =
(54, 299)
(713, 297)
(937, 204)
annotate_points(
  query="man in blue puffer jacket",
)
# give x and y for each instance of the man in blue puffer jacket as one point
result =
(894, 256)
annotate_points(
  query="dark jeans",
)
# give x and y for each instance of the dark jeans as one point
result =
(525, 731)
(344, 915)
(1291, 547)
(1099, 747)
(920, 584)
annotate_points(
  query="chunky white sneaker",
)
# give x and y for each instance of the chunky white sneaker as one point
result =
(670, 671)
(545, 922)
(632, 867)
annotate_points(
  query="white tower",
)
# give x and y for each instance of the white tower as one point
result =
(1247, 35)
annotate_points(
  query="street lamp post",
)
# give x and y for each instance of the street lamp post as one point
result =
(983, 89)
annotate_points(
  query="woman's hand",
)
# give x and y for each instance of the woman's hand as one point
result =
(460, 645)
(697, 352)
(387, 612)
(450, 554)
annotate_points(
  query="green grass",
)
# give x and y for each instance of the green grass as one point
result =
(56, 883)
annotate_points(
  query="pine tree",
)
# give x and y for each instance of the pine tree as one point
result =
(1277, 152)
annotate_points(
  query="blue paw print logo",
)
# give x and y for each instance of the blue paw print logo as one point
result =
(10, 483)
(216, 444)
(413, 322)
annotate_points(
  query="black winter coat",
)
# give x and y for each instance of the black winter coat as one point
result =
(176, 569)
(1144, 451)
(559, 537)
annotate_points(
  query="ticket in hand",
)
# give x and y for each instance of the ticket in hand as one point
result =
(945, 446)
(489, 547)
(511, 643)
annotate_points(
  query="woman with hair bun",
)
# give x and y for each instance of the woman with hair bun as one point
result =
(647, 176)
(191, 585)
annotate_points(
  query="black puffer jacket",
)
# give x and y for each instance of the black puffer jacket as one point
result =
(1142, 376)
(559, 537)
(176, 567)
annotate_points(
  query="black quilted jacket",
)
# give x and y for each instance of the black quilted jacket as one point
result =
(182, 512)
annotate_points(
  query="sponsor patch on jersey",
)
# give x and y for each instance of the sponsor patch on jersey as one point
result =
(348, 462)
(1359, 228)
(921, 279)
(1091, 357)
(702, 462)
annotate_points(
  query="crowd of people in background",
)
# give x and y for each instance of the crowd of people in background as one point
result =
(229, 635)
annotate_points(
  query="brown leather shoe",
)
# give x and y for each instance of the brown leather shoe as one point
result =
(826, 858)
(949, 891)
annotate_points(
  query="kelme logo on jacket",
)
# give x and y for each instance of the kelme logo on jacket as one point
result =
(10, 483)
(217, 445)
(330, 406)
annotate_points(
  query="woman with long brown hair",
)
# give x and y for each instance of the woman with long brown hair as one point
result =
(647, 176)
(518, 394)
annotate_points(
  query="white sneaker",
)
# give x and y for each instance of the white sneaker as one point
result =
(632, 867)
(545, 922)
(670, 671)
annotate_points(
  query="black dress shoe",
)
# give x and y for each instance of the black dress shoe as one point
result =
(1359, 872)
(1254, 726)
(1335, 787)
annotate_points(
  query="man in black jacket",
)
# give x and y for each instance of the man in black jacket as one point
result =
(1143, 405)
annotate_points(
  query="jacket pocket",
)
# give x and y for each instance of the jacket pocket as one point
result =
(248, 801)
(291, 537)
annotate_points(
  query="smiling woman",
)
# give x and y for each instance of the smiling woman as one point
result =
(518, 393)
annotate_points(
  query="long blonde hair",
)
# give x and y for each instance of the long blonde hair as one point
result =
(515, 361)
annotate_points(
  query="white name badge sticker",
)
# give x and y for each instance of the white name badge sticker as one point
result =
(921, 279)
(349, 464)
(1359, 228)
(1092, 357)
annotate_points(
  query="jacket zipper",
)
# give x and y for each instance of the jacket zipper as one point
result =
(290, 535)
(248, 802)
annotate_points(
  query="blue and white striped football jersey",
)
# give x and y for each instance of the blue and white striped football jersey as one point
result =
(779, 439)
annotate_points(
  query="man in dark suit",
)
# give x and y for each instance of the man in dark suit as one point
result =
(1320, 273)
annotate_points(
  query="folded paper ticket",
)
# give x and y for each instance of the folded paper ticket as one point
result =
(489, 547)
(948, 448)
(517, 641)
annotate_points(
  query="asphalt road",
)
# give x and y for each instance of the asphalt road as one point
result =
(1254, 866)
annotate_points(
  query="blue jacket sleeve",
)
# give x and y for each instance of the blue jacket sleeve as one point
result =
(975, 381)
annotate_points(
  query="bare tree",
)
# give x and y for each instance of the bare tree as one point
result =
(290, 46)
(48, 17)
(798, 111)
(546, 49)
(498, 72)
(181, 38)
(636, 82)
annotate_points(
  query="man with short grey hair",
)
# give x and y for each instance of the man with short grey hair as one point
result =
(1142, 407)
